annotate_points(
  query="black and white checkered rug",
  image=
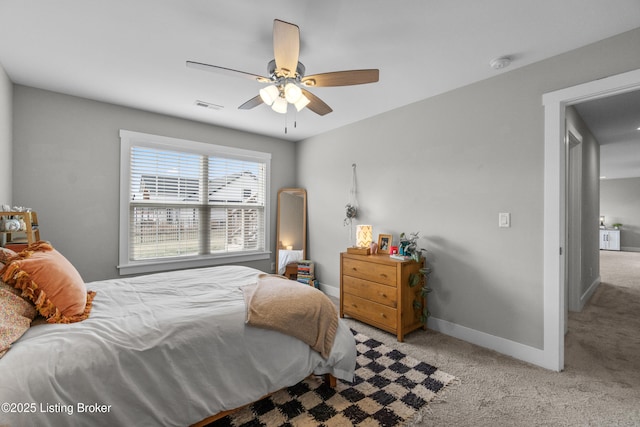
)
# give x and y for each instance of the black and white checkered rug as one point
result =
(389, 389)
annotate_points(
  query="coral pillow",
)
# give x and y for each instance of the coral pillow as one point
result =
(16, 315)
(50, 281)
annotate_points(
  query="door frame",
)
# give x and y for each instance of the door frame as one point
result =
(574, 222)
(555, 202)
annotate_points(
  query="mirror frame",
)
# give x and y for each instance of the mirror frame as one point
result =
(298, 192)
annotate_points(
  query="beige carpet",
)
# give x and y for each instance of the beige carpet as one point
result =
(600, 385)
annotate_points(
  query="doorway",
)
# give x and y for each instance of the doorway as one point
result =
(555, 203)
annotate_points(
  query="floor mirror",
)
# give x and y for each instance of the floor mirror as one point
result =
(291, 240)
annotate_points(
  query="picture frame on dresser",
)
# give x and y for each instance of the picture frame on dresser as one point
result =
(384, 243)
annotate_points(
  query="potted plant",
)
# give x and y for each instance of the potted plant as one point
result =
(409, 247)
(419, 303)
(617, 225)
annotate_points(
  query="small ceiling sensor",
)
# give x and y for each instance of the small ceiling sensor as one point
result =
(499, 63)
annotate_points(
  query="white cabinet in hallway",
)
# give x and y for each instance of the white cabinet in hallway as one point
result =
(610, 240)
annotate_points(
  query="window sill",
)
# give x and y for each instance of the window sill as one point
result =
(167, 264)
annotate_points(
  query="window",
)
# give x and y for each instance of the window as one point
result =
(187, 204)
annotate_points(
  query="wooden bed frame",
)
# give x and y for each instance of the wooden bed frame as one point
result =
(329, 379)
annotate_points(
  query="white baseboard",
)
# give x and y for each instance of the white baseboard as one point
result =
(501, 345)
(630, 249)
(332, 291)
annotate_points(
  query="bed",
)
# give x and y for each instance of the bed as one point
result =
(288, 256)
(168, 349)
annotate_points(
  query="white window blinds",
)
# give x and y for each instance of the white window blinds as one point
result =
(190, 200)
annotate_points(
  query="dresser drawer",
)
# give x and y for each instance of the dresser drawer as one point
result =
(370, 311)
(369, 290)
(380, 273)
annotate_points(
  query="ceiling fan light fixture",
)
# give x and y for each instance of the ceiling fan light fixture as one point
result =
(301, 102)
(292, 93)
(280, 105)
(269, 94)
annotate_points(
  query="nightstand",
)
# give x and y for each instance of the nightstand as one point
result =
(291, 271)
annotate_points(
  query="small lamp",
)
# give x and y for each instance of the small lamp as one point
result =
(364, 236)
(601, 221)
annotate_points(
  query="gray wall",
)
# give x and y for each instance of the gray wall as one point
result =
(620, 202)
(66, 167)
(590, 256)
(6, 136)
(446, 167)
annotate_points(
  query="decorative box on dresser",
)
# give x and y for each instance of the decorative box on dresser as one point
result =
(375, 290)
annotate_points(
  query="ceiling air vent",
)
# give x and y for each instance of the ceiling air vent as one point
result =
(209, 105)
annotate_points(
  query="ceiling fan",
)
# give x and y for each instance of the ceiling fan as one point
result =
(287, 80)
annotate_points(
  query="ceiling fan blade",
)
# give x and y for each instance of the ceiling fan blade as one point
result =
(286, 47)
(316, 104)
(342, 78)
(227, 71)
(252, 103)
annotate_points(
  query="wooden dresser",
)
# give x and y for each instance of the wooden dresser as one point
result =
(375, 289)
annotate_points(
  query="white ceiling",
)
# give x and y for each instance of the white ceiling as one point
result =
(133, 52)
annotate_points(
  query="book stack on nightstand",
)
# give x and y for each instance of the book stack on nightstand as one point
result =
(306, 273)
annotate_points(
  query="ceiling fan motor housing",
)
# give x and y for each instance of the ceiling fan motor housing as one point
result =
(271, 70)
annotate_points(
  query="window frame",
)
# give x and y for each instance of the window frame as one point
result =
(129, 139)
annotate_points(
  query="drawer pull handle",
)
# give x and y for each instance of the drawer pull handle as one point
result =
(382, 314)
(383, 295)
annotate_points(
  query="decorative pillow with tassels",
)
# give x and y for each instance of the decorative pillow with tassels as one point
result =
(48, 279)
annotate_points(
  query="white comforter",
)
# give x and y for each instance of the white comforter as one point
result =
(166, 349)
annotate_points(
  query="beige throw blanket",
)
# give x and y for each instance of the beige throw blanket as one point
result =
(294, 309)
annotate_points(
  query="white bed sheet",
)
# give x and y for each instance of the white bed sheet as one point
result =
(165, 349)
(287, 256)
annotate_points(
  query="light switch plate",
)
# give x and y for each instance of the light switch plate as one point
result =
(504, 220)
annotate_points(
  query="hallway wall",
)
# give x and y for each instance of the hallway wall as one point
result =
(620, 202)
